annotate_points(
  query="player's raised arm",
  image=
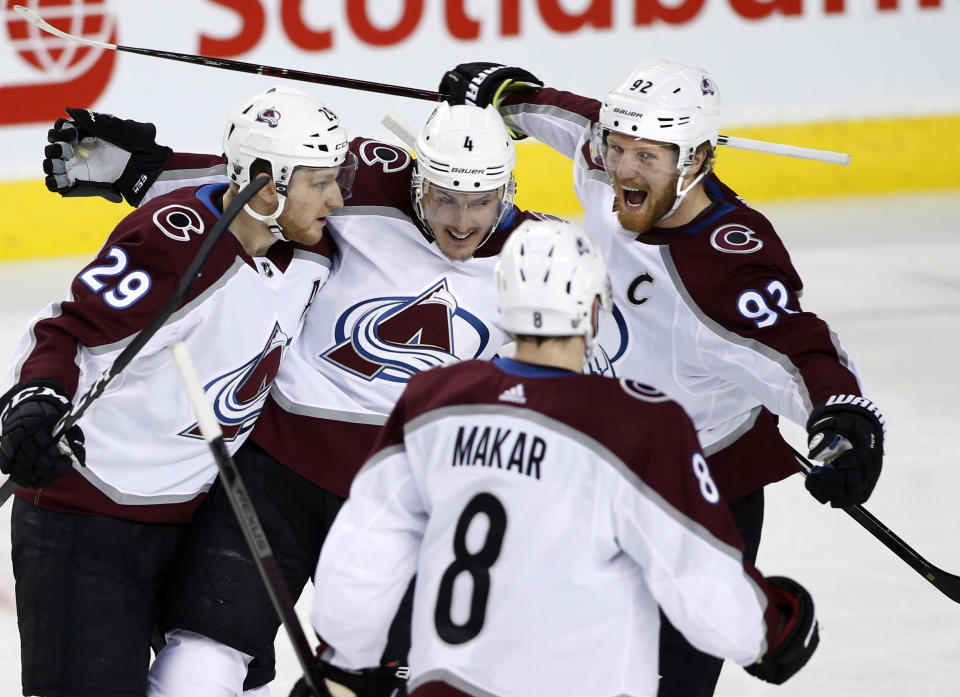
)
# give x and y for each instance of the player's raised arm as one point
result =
(96, 154)
(551, 116)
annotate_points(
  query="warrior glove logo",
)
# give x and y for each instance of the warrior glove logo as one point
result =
(394, 338)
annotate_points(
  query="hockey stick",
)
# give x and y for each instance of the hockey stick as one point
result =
(190, 277)
(383, 88)
(246, 515)
(240, 66)
(946, 583)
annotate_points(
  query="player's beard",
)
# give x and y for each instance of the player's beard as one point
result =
(657, 204)
(301, 231)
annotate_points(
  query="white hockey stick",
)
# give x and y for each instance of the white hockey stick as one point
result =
(837, 158)
(412, 92)
(400, 128)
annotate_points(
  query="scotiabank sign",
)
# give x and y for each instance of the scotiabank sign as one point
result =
(51, 72)
(599, 14)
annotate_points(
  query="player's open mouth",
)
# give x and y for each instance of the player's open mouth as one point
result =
(633, 198)
(459, 236)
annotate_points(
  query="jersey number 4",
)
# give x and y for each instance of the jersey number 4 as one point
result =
(476, 564)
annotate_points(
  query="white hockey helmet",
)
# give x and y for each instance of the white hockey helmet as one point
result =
(664, 102)
(547, 277)
(289, 129)
(466, 149)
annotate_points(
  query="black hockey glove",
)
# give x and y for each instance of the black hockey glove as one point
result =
(28, 453)
(798, 638)
(385, 681)
(846, 434)
(101, 155)
(483, 83)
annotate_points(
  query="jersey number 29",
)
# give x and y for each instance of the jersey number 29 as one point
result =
(476, 564)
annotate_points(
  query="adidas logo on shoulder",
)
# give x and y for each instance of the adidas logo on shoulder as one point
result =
(514, 394)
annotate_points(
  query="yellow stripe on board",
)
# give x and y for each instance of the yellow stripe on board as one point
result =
(888, 155)
(37, 223)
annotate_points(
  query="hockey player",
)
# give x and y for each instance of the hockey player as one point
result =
(417, 242)
(710, 297)
(93, 546)
(544, 534)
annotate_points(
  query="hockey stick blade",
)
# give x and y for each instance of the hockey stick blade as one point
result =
(246, 514)
(239, 66)
(945, 582)
(190, 277)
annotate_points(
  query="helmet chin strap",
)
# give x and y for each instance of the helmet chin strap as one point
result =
(270, 219)
(681, 192)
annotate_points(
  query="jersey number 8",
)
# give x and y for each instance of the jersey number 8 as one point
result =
(476, 564)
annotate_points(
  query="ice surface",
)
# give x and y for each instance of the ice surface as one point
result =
(885, 273)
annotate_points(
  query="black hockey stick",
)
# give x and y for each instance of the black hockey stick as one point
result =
(190, 277)
(239, 66)
(246, 514)
(946, 583)
(384, 88)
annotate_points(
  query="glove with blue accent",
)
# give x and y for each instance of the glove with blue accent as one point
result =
(846, 434)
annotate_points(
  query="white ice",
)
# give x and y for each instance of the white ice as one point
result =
(885, 273)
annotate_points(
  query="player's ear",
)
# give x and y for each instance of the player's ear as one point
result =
(699, 162)
(268, 194)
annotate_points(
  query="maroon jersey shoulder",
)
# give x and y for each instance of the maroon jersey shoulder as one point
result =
(586, 107)
(383, 178)
(734, 268)
(131, 278)
(651, 416)
(728, 254)
(648, 437)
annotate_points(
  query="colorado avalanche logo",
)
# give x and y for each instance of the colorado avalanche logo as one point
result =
(239, 395)
(394, 338)
(706, 86)
(269, 116)
(735, 239)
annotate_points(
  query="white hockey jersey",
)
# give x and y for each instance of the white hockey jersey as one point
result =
(394, 306)
(146, 459)
(543, 537)
(708, 312)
